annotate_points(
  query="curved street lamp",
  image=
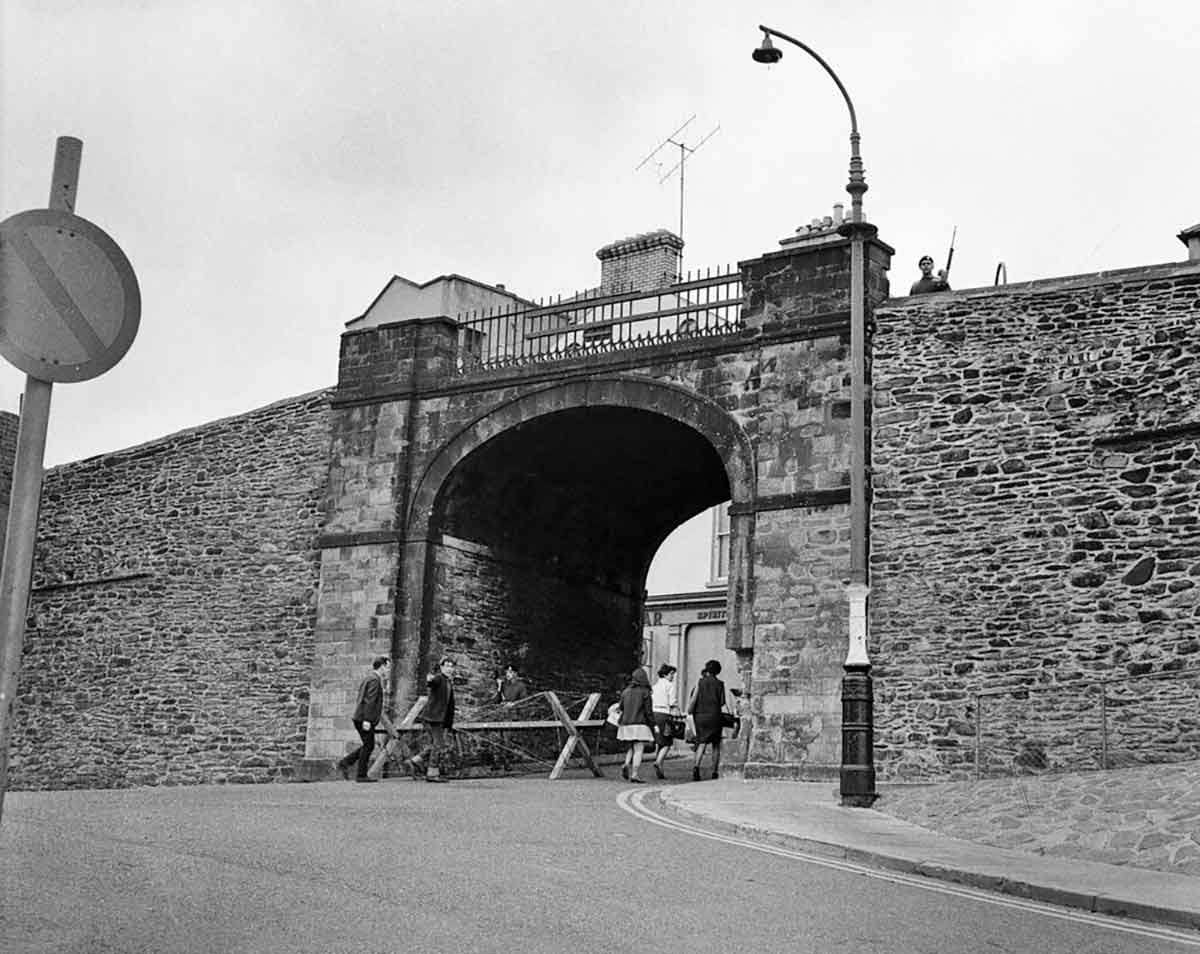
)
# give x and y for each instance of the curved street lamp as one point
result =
(858, 755)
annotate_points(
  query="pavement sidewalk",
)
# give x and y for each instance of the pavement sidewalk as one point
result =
(806, 816)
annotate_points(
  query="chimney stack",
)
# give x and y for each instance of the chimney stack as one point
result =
(640, 263)
(820, 230)
(1191, 238)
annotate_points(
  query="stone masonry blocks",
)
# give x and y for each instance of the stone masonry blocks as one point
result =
(170, 633)
(1036, 524)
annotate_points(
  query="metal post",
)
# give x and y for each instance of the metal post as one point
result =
(21, 534)
(1103, 727)
(857, 772)
(978, 736)
(858, 416)
(858, 717)
(19, 540)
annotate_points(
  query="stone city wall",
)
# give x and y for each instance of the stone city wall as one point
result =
(205, 604)
(9, 425)
(783, 384)
(170, 634)
(1036, 524)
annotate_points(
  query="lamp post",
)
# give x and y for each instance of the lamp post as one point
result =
(858, 754)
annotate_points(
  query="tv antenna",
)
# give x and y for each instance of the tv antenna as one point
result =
(685, 152)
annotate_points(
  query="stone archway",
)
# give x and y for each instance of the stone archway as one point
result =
(566, 460)
(682, 405)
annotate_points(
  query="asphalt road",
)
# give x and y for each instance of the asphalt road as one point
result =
(476, 866)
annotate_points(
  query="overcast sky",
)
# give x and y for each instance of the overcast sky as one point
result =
(268, 166)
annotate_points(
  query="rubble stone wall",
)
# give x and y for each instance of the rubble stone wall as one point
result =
(775, 397)
(1036, 524)
(9, 425)
(491, 609)
(171, 628)
(205, 604)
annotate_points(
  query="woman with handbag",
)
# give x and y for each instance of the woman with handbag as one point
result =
(666, 704)
(637, 723)
(707, 708)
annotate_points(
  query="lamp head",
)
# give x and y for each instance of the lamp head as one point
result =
(767, 52)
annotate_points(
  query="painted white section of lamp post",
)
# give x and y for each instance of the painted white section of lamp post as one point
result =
(857, 594)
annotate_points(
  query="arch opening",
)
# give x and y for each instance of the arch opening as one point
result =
(541, 539)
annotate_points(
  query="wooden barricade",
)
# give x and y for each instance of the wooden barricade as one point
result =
(394, 732)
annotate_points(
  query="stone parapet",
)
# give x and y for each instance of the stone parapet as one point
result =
(800, 282)
(406, 356)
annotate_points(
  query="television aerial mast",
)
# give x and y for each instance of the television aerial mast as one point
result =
(685, 152)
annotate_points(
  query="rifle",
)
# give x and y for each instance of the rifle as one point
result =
(950, 256)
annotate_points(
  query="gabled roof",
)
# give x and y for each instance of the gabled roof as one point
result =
(1187, 234)
(399, 283)
(420, 286)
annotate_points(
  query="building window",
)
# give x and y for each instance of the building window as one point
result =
(719, 565)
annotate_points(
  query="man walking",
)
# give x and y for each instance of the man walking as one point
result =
(438, 716)
(367, 712)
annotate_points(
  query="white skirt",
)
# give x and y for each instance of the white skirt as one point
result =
(635, 733)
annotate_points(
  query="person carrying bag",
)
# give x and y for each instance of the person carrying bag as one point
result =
(666, 711)
(707, 708)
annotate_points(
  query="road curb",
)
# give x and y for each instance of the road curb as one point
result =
(1107, 904)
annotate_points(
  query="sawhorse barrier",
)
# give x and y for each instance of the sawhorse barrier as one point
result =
(395, 732)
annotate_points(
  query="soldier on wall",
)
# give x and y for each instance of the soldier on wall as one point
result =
(928, 282)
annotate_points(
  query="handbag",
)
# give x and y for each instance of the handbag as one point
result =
(689, 728)
(614, 714)
(676, 727)
(729, 720)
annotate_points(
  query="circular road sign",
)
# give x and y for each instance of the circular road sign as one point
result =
(69, 301)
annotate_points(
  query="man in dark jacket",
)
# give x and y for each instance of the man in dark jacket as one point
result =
(512, 687)
(367, 712)
(927, 283)
(438, 716)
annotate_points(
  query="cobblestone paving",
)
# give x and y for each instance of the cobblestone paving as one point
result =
(1148, 817)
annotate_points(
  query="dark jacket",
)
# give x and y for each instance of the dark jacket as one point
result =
(636, 707)
(370, 699)
(923, 286)
(512, 690)
(707, 701)
(439, 707)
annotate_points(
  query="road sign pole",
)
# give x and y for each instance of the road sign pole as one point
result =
(21, 533)
(19, 541)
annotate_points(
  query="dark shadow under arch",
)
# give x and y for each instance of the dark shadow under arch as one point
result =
(669, 400)
(538, 521)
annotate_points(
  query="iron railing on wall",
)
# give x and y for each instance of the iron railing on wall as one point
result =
(592, 323)
(1074, 726)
